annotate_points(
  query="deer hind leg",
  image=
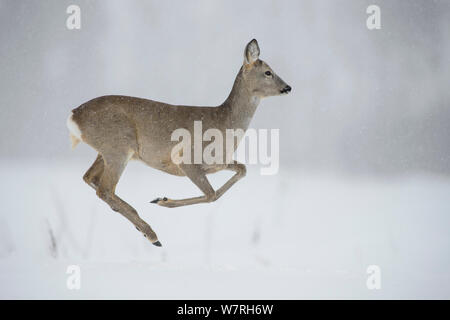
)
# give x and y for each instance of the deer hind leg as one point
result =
(113, 168)
(93, 175)
(198, 177)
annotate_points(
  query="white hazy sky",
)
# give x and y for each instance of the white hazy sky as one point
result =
(362, 101)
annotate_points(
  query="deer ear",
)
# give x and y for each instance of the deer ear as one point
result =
(251, 53)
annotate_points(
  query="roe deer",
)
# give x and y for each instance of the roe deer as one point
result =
(122, 128)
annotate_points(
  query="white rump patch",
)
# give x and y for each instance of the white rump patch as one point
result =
(73, 127)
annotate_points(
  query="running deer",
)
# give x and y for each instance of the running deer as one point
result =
(122, 128)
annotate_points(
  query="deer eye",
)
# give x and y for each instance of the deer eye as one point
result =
(268, 73)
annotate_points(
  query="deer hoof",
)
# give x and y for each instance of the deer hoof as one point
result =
(158, 200)
(157, 243)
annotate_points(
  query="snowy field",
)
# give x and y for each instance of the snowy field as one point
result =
(294, 235)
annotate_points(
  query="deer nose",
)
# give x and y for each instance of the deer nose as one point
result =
(286, 89)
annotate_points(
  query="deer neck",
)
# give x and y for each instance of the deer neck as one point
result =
(241, 104)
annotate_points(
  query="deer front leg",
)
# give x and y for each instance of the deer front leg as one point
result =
(240, 170)
(198, 176)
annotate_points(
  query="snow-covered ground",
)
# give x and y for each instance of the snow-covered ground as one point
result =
(293, 235)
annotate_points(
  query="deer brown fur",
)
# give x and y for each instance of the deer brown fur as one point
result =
(122, 128)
